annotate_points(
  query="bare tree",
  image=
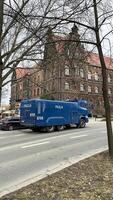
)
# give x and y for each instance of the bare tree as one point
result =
(92, 17)
(22, 33)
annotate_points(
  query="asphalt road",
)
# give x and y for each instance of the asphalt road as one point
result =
(26, 156)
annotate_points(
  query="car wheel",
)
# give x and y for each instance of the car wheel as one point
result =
(10, 128)
(60, 128)
(50, 129)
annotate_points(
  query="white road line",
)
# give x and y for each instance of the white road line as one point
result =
(9, 136)
(2, 137)
(32, 145)
(19, 135)
(68, 134)
(78, 136)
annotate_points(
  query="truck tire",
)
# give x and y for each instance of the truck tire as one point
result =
(50, 129)
(34, 129)
(68, 126)
(82, 124)
(60, 128)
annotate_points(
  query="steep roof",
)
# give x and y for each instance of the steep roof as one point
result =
(93, 59)
(21, 72)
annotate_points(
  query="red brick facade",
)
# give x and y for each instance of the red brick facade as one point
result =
(68, 73)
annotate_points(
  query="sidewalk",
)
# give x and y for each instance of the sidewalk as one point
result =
(93, 119)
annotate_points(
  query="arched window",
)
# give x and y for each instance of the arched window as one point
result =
(81, 87)
(66, 86)
(81, 73)
(96, 77)
(96, 90)
(89, 75)
(66, 70)
(89, 88)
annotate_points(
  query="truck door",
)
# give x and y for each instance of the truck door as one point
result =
(28, 115)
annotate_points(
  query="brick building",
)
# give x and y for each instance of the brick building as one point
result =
(67, 72)
(25, 84)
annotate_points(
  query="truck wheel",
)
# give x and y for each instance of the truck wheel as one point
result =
(82, 124)
(34, 129)
(50, 129)
(60, 128)
(68, 126)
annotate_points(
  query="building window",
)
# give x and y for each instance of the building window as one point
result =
(96, 90)
(89, 89)
(66, 86)
(109, 91)
(68, 52)
(81, 73)
(81, 87)
(109, 78)
(96, 77)
(89, 75)
(66, 70)
(20, 86)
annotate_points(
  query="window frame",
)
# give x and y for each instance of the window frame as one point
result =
(82, 87)
(65, 85)
(66, 70)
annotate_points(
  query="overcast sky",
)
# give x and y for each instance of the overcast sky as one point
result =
(106, 49)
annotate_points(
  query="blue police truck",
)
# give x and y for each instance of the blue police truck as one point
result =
(39, 114)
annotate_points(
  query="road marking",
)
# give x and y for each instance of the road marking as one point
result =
(21, 134)
(78, 136)
(67, 134)
(32, 145)
(2, 137)
(9, 136)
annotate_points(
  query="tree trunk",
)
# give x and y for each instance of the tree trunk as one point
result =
(104, 84)
(1, 64)
(106, 103)
(0, 95)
